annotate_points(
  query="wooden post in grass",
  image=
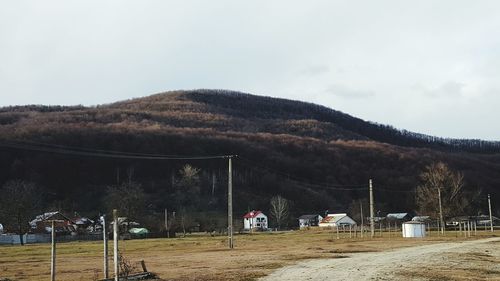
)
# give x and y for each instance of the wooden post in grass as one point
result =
(53, 253)
(337, 227)
(105, 242)
(491, 217)
(230, 204)
(361, 212)
(115, 245)
(372, 220)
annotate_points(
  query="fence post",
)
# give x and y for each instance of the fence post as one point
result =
(53, 253)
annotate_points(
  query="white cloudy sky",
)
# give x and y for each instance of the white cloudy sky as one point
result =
(427, 66)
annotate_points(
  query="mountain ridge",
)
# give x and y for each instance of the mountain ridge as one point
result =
(285, 147)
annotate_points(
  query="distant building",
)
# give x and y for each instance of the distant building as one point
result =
(309, 220)
(335, 220)
(401, 217)
(255, 220)
(43, 223)
(483, 220)
(421, 218)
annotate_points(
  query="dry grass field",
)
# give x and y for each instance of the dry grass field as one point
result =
(198, 257)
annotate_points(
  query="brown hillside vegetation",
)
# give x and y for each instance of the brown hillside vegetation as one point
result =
(299, 150)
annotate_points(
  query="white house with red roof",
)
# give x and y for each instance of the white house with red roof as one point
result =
(255, 220)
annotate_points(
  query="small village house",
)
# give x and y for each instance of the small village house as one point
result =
(398, 217)
(43, 223)
(481, 220)
(309, 220)
(425, 219)
(255, 220)
(337, 220)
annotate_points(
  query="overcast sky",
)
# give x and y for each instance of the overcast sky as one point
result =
(428, 66)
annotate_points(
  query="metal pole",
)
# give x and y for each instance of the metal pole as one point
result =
(230, 204)
(53, 253)
(115, 244)
(491, 217)
(105, 241)
(372, 221)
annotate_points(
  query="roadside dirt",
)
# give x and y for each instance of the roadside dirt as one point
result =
(468, 260)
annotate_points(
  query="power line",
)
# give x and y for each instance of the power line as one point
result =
(78, 151)
(306, 182)
(253, 165)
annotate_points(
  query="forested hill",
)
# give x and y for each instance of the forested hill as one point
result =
(309, 153)
(234, 111)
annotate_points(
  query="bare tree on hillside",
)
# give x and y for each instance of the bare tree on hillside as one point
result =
(279, 209)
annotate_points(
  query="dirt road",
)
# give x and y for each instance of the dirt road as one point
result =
(468, 260)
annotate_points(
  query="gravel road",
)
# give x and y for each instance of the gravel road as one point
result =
(383, 265)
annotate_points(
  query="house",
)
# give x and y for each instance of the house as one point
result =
(482, 220)
(400, 217)
(43, 223)
(255, 220)
(83, 224)
(335, 220)
(421, 219)
(309, 220)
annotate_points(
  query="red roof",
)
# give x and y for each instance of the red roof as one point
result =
(252, 214)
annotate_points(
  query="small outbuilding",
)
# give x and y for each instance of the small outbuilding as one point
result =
(336, 220)
(255, 220)
(413, 229)
(309, 220)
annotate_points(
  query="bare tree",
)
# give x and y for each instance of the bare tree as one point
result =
(279, 209)
(441, 183)
(187, 188)
(18, 202)
(128, 198)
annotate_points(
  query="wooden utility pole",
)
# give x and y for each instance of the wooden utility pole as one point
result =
(230, 204)
(361, 207)
(166, 223)
(105, 241)
(53, 253)
(491, 216)
(440, 211)
(115, 244)
(372, 220)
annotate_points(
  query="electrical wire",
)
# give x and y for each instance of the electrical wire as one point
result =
(253, 164)
(60, 149)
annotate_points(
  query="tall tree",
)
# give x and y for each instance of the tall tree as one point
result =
(439, 179)
(18, 204)
(187, 188)
(279, 209)
(128, 198)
